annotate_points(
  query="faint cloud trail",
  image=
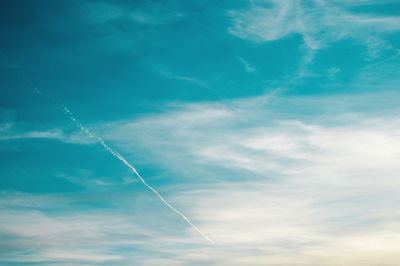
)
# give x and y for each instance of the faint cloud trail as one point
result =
(79, 125)
(71, 116)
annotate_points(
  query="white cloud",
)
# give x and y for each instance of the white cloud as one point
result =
(318, 22)
(245, 134)
(191, 80)
(46, 134)
(322, 186)
(12, 133)
(247, 66)
(288, 180)
(57, 229)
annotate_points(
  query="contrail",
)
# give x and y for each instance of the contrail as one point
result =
(71, 116)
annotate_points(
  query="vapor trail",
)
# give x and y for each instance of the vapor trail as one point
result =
(71, 116)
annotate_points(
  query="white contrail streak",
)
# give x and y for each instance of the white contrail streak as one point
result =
(133, 169)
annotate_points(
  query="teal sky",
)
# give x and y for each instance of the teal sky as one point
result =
(273, 126)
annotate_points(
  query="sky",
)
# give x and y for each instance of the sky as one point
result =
(262, 132)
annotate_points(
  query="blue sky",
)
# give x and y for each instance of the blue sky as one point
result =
(272, 125)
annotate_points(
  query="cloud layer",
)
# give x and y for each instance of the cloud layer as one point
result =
(289, 188)
(272, 125)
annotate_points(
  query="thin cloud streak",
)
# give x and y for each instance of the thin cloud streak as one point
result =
(133, 169)
(191, 80)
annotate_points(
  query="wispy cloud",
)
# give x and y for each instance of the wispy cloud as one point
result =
(278, 185)
(273, 179)
(318, 22)
(133, 170)
(150, 14)
(50, 229)
(191, 80)
(10, 132)
(247, 66)
(312, 185)
(47, 134)
(88, 179)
